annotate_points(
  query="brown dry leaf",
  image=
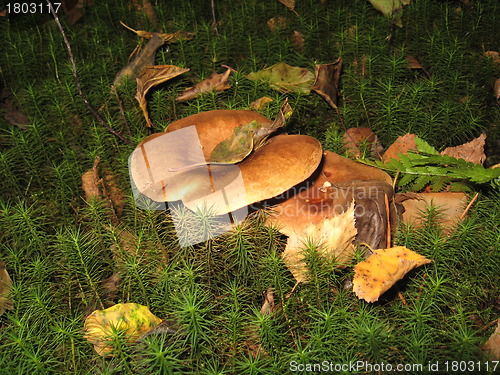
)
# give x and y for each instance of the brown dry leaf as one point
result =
(327, 77)
(285, 78)
(145, 58)
(356, 139)
(414, 64)
(472, 151)
(5, 289)
(298, 40)
(14, 116)
(216, 82)
(145, 6)
(166, 37)
(110, 286)
(152, 76)
(492, 346)
(334, 239)
(381, 270)
(102, 185)
(401, 145)
(494, 56)
(290, 4)
(277, 23)
(261, 103)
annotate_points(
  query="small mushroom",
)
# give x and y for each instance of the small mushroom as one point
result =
(330, 191)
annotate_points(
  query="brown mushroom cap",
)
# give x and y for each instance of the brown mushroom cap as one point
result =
(329, 192)
(215, 126)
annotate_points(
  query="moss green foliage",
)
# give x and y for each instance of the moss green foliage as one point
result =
(59, 247)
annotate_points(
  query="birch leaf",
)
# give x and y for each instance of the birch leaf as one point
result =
(285, 78)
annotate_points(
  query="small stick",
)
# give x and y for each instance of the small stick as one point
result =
(469, 206)
(77, 81)
(386, 200)
(122, 112)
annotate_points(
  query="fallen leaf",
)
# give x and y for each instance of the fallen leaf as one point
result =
(277, 23)
(166, 37)
(249, 137)
(285, 78)
(5, 289)
(327, 77)
(472, 151)
(496, 89)
(290, 4)
(381, 270)
(392, 9)
(102, 185)
(401, 145)
(298, 40)
(334, 240)
(110, 286)
(492, 346)
(261, 103)
(494, 56)
(150, 77)
(449, 205)
(145, 58)
(130, 319)
(414, 64)
(357, 139)
(145, 7)
(14, 116)
(216, 82)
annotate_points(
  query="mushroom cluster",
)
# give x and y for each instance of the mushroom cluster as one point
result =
(291, 173)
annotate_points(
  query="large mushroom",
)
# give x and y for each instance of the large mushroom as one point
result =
(158, 164)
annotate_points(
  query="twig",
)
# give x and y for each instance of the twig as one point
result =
(214, 20)
(468, 206)
(122, 111)
(77, 81)
(388, 212)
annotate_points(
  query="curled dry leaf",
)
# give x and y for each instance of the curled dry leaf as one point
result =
(166, 37)
(356, 139)
(492, 346)
(152, 76)
(401, 145)
(130, 319)
(472, 151)
(145, 58)
(381, 270)
(285, 78)
(216, 82)
(414, 64)
(5, 289)
(327, 77)
(290, 4)
(334, 240)
(260, 103)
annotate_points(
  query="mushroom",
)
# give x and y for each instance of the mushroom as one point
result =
(330, 191)
(156, 165)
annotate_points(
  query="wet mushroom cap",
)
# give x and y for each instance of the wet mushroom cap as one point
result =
(215, 126)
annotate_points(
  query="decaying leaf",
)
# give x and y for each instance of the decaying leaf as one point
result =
(129, 319)
(401, 145)
(298, 40)
(166, 37)
(496, 89)
(327, 77)
(277, 23)
(102, 185)
(357, 139)
(145, 7)
(290, 4)
(472, 151)
(249, 137)
(381, 270)
(492, 346)
(286, 78)
(150, 77)
(145, 58)
(334, 240)
(494, 56)
(261, 103)
(414, 64)
(5, 289)
(216, 82)
(392, 9)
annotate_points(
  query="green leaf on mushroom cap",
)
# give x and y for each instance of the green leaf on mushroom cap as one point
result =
(248, 137)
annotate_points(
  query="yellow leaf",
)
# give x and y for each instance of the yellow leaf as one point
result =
(334, 238)
(130, 319)
(285, 78)
(381, 270)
